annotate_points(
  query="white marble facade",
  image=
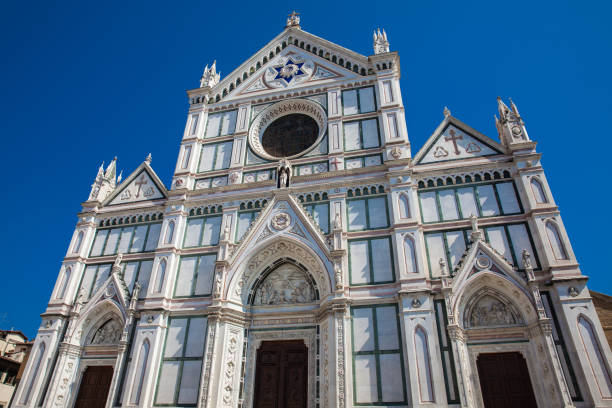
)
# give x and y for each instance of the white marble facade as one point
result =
(396, 270)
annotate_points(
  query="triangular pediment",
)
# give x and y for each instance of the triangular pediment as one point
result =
(293, 68)
(327, 61)
(454, 140)
(284, 216)
(113, 289)
(482, 257)
(142, 185)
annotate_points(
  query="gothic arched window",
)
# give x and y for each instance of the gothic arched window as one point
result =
(410, 254)
(556, 243)
(404, 206)
(421, 349)
(169, 233)
(141, 368)
(538, 191)
(161, 273)
(64, 283)
(596, 358)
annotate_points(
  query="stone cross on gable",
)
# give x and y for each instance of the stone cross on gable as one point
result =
(140, 183)
(293, 20)
(453, 138)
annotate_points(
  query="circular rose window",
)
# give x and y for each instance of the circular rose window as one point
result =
(288, 129)
(290, 135)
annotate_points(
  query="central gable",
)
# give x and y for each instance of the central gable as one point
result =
(453, 140)
(292, 68)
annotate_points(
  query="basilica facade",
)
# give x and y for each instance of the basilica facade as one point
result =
(303, 256)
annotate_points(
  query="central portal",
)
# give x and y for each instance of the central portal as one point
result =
(281, 379)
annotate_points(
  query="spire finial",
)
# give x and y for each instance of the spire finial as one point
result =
(210, 77)
(447, 112)
(293, 20)
(381, 44)
(148, 159)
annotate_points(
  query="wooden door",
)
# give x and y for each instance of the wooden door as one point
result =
(504, 381)
(95, 384)
(281, 377)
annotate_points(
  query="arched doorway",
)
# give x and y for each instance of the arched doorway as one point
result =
(99, 355)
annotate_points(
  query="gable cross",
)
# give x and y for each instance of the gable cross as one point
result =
(140, 183)
(453, 138)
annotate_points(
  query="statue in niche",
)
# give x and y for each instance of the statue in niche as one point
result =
(108, 333)
(285, 285)
(284, 173)
(491, 312)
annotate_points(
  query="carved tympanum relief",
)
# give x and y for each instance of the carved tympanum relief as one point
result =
(489, 311)
(286, 284)
(108, 333)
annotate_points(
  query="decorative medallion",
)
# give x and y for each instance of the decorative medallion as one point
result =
(110, 291)
(289, 70)
(572, 291)
(516, 131)
(280, 221)
(483, 262)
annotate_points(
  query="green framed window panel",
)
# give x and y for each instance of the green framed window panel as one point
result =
(360, 100)
(367, 269)
(202, 231)
(482, 200)
(367, 213)
(378, 363)
(179, 373)
(564, 358)
(320, 213)
(361, 134)
(507, 239)
(129, 239)
(446, 352)
(138, 271)
(362, 161)
(221, 124)
(93, 278)
(311, 168)
(215, 156)
(259, 175)
(211, 182)
(195, 275)
(245, 219)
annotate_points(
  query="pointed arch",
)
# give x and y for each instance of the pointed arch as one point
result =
(538, 191)
(423, 360)
(140, 370)
(34, 373)
(61, 292)
(404, 206)
(78, 242)
(161, 274)
(595, 356)
(169, 232)
(555, 241)
(259, 257)
(412, 265)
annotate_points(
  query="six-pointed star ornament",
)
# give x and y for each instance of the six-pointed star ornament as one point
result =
(289, 70)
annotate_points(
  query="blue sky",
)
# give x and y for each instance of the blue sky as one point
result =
(86, 81)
